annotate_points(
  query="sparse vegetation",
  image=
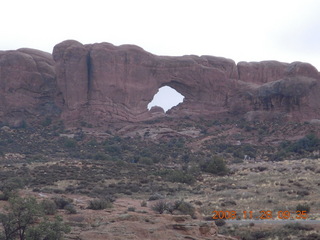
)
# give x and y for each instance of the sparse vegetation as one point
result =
(212, 164)
(181, 206)
(303, 147)
(99, 204)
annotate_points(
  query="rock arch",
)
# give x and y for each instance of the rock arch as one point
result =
(101, 81)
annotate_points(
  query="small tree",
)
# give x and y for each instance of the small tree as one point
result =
(48, 230)
(22, 213)
(24, 220)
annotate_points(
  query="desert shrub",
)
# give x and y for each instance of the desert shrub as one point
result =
(85, 124)
(312, 236)
(295, 227)
(180, 176)
(184, 207)
(215, 165)
(69, 143)
(37, 158)
(260, 234)
(241, 151)
(311, 168)
(278, 156)
(10, 186)
(61, 202)
(303, 193)
(160, 206)
(228, 203)
(146, 160)
(70, 209)
(49, 207)
(23, 125)
(156, 196)
(303, 207)
(220, 222)
(99, 204)
(131, 209)
(46, 122)
(114, 149)
(100, 156)
(309, 143)
(179, 205)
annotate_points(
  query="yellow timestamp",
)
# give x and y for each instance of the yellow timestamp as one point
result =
(263, 214)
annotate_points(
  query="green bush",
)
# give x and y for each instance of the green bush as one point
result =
(69, 143)
(303, 207)
(46, 122)
(99, 204)
(70, 209)
(48, 230)
(146, 160)
(220, 222)
(100, 156)
(131, 209)
(184, 207)
(307, 144)
(215, 165)
(10, 186)
(180, 176)
(180, 205)
(49, 207)
(278, 156)
(114, 150)
(61, 202)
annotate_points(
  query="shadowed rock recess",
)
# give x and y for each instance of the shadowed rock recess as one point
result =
(100, 83)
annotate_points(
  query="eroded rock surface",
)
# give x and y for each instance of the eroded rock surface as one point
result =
(28, 86)
(99, 83)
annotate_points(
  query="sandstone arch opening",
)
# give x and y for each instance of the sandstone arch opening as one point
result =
(167, 98)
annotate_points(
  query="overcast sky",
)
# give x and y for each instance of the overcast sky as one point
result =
(243, 30)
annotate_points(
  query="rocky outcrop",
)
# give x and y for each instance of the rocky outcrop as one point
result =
(27, 86)
(117, 83)
(99, 83)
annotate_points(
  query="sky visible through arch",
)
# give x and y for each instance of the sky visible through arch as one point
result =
(246, 30)
(166, 98)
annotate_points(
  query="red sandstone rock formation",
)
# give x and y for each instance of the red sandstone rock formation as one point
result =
(99, 83)
(27, 86)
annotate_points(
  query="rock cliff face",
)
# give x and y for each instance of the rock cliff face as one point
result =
(99, 83)
(28, 86)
